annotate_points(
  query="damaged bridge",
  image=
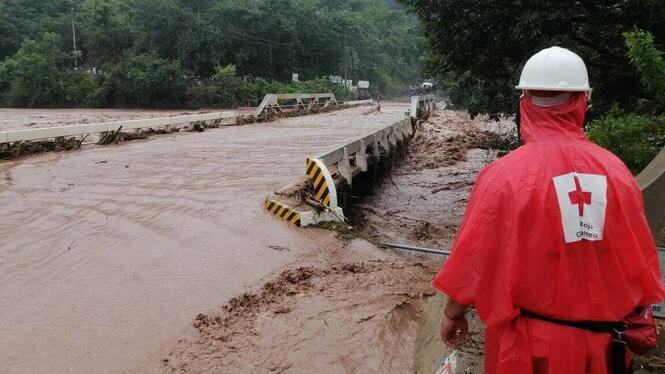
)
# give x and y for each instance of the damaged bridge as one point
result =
(107, 248)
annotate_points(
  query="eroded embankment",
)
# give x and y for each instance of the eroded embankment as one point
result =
(356, 308)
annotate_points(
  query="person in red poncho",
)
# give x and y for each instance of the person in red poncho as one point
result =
(553, 230)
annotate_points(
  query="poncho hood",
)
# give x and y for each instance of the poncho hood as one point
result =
(557, 123)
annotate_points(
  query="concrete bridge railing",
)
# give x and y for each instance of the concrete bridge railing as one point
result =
(10, 136)
(420, 104)
(294, 101)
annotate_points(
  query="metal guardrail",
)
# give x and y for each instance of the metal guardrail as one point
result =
(271, 101)
(424, 102)
(11, 136)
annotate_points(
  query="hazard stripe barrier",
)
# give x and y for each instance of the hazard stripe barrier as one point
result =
(283, 211)
(322, 182)
(327, 170)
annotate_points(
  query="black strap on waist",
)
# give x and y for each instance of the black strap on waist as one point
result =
(593, 326)
(618, 350)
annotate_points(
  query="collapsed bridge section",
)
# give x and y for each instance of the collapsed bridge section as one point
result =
(315, 197)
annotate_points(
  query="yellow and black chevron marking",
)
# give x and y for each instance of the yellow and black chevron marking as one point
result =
(321, 190)
(283, 211)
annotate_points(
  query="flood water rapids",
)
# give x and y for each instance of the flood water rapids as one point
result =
(108, 253)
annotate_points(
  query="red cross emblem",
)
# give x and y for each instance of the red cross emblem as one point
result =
(579, 197)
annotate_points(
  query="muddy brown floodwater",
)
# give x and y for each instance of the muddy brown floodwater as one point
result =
(356, 308)
(108, 253)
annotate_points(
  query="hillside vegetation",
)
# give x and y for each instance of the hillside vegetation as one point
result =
(172, 53)
(477, 50)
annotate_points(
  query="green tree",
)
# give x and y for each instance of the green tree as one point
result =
(484, 44)
(33, 77)
(105, 32)
(148, 80)
(636, 139)
(266, 41)
(649, 64)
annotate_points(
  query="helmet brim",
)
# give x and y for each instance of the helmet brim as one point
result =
(563, 89)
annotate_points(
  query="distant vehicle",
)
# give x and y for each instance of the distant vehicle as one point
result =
(363, 90)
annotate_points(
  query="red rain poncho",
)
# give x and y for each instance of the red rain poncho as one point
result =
(556, 227)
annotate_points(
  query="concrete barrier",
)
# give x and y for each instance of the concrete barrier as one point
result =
(314, 198)
(10, 136)
(421, 104)
(652, 183)
(271, 102)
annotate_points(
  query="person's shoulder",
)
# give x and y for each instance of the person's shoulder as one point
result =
(614, 167)
(502, 165)
(606, 156)
(496, 171)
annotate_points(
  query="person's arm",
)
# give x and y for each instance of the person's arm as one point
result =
(454, 326)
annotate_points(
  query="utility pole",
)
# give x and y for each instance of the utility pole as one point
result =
(346, 52)
(76, 64)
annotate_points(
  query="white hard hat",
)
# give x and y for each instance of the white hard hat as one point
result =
(554, 69)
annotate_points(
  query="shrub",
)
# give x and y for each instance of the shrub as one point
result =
(32, 77)
(225, 89)
(78, 89)
(650, 65)
(636, 139)
(149, 81)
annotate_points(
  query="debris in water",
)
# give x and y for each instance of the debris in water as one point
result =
(278, 248)
(19, 149)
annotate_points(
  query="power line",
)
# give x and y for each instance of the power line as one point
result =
(291, 46)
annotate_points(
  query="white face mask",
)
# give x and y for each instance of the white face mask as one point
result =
(550, 101)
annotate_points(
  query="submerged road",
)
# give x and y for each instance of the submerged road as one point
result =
(107, 253)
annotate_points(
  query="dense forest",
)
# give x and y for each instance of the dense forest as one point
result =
(172, 53)
(477, 49)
